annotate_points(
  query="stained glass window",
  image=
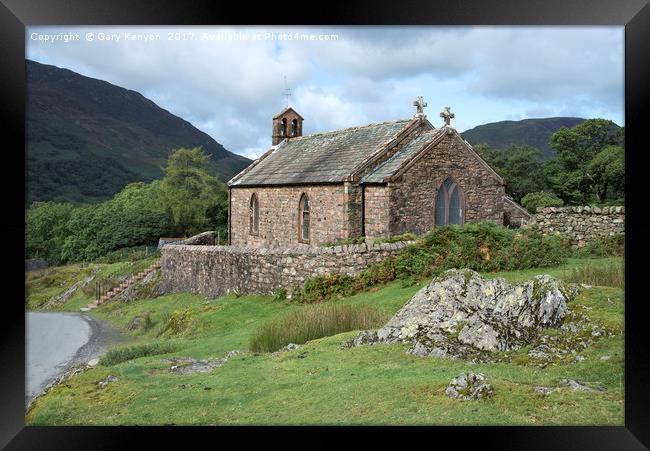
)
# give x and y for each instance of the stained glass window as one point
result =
(449, 203)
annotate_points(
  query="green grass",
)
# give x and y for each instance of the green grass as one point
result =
(312, 322)
(42, 285)
(594, 274)
(119, 355)
(320, 383)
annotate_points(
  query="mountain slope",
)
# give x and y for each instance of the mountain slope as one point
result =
(87, 138)
(531, 132)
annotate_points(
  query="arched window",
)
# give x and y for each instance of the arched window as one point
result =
(283, 127)
(254, 215)
(294, 127)
(450, 204)
(303, 232)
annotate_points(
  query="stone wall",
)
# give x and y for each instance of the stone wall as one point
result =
(217, 270)
(413, 195)
(581, 224)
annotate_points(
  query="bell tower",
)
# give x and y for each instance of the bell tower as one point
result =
(286, 124)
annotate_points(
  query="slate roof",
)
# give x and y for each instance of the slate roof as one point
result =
(320, 158)
(390, 166)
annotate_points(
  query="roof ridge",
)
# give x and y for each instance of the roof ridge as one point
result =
(356, 127)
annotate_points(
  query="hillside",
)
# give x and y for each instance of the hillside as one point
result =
(87, 138)
(531, 132)
(319, 383)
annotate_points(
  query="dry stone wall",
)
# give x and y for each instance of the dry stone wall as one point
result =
(217, 270)
(580, 224)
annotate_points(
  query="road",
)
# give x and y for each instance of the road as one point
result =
(56, 341)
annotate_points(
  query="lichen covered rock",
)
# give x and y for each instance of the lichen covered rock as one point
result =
(461, 315)
(470, 386)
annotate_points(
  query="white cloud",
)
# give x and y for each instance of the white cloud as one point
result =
(231, 89)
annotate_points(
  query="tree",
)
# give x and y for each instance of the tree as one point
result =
(540, 199)
(46, 226)
(569, 175)
(189, 194)
(520, 166)
(607, 173)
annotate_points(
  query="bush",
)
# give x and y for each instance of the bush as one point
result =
(607, 246)
(540, 199)
(115, 356)
(280, 294)
(129, 254)
(603, 275)
(481, 246)
(312, 322)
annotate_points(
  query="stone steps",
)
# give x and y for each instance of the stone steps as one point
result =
(124, 285)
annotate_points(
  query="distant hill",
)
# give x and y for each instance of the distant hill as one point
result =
(87, 138)
(531, 132)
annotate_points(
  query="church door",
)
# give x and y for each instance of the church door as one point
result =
(449, 203)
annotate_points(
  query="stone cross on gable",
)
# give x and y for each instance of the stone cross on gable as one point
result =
(447, 116)
(419, 103)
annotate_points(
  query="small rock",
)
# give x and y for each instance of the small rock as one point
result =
(365, 337)
(588, 287)
(188, 365)
(544, 390)
(108, 379)
(469, 386)
(84, 309)
(577, 385)
(93, 362)
(605, 357)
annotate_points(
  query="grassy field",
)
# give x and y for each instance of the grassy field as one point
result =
(320, 383)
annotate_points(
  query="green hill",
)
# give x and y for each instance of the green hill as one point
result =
(87, 138)
(531, 132)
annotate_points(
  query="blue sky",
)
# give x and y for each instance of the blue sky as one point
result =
(229, 81)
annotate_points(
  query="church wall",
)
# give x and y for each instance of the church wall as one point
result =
(412, 196)
(279, 213)
(376, 206)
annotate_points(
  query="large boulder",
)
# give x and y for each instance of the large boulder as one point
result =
(462, 315)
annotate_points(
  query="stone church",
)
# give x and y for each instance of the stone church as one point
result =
(374, 180)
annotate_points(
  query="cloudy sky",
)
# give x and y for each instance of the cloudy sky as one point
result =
(229, 81)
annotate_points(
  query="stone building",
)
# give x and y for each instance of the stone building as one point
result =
(380, 179)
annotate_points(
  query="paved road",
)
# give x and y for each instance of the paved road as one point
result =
(57, 341)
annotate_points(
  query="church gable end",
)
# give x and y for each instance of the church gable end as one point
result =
(414, 187)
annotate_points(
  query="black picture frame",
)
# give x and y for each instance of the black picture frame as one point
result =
(15, 15)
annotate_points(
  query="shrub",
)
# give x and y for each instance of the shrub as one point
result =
(481, 246)
(603, 275)
(606, 246)
(180, 322)
(312, 322)
(115, 356)
(280, 294)
(540, 199)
